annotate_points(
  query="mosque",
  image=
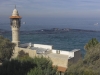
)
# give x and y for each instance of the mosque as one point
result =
(59, 58)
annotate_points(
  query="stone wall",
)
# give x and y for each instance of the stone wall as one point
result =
(59, 61)
(32, 53)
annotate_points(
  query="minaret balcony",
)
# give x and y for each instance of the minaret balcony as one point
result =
(15, 17)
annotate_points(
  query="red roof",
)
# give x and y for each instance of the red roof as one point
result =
(62, 69)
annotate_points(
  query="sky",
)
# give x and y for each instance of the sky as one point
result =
(53, 12)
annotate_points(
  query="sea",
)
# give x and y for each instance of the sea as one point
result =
(62, 41)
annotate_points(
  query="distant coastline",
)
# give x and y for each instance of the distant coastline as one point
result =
(50, 31)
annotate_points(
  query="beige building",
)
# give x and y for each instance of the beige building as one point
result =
(59, 58)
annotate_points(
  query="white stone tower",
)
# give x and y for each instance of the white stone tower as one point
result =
(15, 21)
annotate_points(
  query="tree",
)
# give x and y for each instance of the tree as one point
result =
(92, 43)
(44, 67)
(28, 66)
(80, 68)
(92, 51)
(90, 65)
(39, 71)
(17, 66)
(6, 49)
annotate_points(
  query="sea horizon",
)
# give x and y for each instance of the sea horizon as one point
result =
(48, 23)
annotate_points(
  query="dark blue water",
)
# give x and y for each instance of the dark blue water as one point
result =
(61, 41)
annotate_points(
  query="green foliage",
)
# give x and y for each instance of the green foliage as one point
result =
(90, 65)
(92, 58)
(6, 49)
(80, 69)
(39, 71)
(28, 66)
(17, 66)
(44, 67)
(42, 62)
(92, 43)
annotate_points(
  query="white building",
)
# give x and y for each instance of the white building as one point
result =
(59, 58)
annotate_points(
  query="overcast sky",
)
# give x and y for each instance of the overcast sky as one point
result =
(51, 8)
(59, 8)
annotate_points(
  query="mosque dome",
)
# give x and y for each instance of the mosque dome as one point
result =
(15, 12)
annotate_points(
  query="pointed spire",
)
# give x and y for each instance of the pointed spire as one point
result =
(15, 12)
(15, 6)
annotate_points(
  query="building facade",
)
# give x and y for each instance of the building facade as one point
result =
(59, 58)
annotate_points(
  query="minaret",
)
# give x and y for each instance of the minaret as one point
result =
(15, 22)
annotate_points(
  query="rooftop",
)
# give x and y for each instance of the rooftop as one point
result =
(40, 50)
